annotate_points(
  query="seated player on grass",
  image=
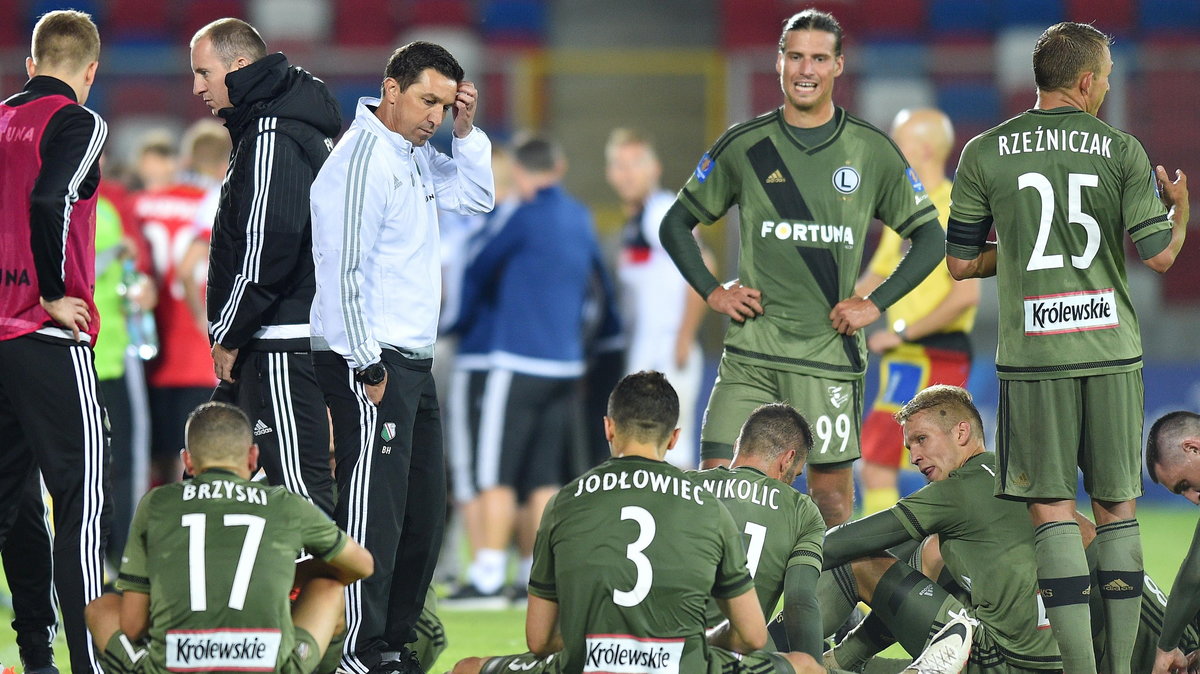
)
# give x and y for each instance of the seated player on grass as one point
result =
(618, 551)
(986, 546)
(783, 528)
(210, 564)
(1173, 459)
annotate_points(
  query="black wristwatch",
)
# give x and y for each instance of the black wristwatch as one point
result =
(371, 375)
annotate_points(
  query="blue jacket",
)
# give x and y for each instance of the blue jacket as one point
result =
(536, 292)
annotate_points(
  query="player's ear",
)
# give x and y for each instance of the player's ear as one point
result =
(252, 458)
(1086, 80)
(673, 439)
(609, 428)
(840, 63)
(30, 69)
(187, 461)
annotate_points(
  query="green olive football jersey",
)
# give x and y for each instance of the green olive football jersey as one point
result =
(1062, 189)
(780, 527)
(631, 551)
(987, 544)
(217, 556)
(804, 214)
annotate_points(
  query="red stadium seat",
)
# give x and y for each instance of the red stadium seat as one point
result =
(137, 20)
(195, 14)
(893, 18)
(364, 22)
(1110, 16)
(438, 13)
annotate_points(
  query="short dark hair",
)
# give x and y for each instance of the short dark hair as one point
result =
(537, 154)
(408, 62)
(65, 39)
(644, 406)
(772, 430)
(232, 39)
(1165, 434)
(218, 433)
(1065, 51)
(952, 404)
(813, 19)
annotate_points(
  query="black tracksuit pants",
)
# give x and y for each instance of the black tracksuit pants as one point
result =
(391, 477)
(51, 417)
(278, 391)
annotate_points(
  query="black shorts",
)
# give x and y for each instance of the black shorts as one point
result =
(169, 410)
(511, 430)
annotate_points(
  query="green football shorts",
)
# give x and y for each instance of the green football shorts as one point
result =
(1048, 428)
(833, 407)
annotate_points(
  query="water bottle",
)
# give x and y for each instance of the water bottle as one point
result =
(143, 334)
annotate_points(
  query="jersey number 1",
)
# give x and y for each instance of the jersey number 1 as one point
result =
(1075, 215)
(198, 583)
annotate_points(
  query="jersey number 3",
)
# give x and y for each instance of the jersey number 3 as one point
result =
(198, 583)
(1075, 215)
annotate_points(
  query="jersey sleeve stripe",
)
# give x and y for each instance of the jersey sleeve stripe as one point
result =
(136, 580)
(912, 519)
(927, 213)
(733, 588)
(1147, 223)
(338, 544)
(805, 553)
(697, 209)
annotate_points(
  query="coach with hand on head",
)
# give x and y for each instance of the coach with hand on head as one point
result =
(374, 321)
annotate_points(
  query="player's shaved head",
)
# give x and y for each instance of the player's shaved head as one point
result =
(813, 19)
(923, 131)
(66, 41)
(644, 407)
(217, 434)
(232, 39)
(773, 430)
(947, 405)
(1165, 444)
(1065, 52)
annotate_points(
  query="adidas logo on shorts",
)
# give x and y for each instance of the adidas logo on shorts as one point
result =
(1117, 585)
(260, 428)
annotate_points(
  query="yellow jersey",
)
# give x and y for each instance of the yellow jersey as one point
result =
(934, 289)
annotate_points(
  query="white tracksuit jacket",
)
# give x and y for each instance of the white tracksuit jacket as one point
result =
(375, 235)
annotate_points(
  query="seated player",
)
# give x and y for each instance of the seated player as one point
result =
(783, 528)
(210, 563)
(986, 547)
(617, 551)
(1173, 459)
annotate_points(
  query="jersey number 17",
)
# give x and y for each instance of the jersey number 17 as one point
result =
(197, 574)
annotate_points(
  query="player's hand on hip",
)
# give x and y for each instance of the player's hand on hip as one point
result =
(223, 361)
(464, 108)
(69, 312)
(853, 313)
(736, 301)
(1170, 662)
(375, 393)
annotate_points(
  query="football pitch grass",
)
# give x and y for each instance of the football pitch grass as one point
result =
(1166, 533)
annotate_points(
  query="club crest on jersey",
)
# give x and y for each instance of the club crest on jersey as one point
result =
(704, 167)
(838, 396)
(388, 432)
(846, 179)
